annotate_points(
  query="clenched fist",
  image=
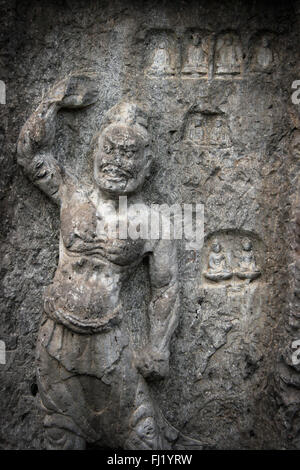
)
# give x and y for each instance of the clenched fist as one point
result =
(76, 91)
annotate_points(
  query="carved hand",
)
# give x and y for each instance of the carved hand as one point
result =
(76, 91)
(153, 365)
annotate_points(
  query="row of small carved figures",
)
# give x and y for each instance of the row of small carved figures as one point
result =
(217, 264)
(228, 57)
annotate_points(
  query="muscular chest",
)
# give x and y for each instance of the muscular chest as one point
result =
(93, 230)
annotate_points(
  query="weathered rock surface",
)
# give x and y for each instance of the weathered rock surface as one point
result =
(215, 78)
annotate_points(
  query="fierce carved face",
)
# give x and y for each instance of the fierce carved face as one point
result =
(121, 161)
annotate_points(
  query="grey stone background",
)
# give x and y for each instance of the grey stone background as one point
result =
(232, 384)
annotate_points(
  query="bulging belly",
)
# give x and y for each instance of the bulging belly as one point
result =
(86, 292)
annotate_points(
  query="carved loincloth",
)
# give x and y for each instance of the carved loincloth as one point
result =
(92, 354)
(87, 383)
(89, 386)
(82, 325)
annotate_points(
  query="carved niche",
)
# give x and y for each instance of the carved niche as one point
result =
(196, 55)
(263, 55)
(160, 55)
(208, 129)
(231, 259)
(228, 57)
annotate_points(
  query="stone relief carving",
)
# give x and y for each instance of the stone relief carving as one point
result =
(219, 134)
(190, 264)
(161, 61)
(196, 56)
(263, 55)
(208, 129)
(93, 384)
(247, 268)
(233, 260)
(228, 55)
(217, 264)
(205, 55)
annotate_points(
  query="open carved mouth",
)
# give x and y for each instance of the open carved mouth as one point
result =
(115, 172)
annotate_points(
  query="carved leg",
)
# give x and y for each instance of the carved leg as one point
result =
(68, 420)
(144, 426)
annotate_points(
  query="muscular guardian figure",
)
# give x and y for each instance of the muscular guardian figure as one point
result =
(92, 383)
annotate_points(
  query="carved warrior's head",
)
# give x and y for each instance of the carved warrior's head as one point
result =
(121, 150)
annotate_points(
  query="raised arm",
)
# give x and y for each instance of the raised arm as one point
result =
(38, 133)
(153, 362)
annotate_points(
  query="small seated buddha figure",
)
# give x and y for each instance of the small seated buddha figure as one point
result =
(197, 57)
(264, 57)
(217, 265)
(247, 268)
(161, 61)
(228, 56)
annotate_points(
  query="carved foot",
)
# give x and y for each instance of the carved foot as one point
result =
(61, 433)
(61, 439)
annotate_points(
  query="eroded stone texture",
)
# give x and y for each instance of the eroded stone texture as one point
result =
(83, 344)
(215, 80)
